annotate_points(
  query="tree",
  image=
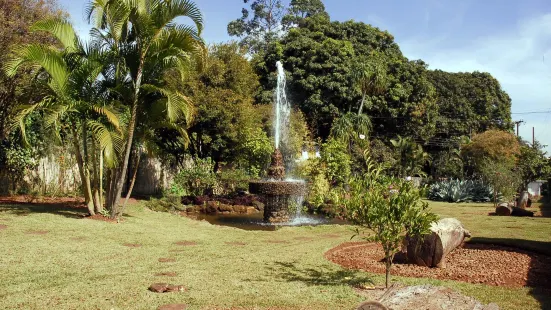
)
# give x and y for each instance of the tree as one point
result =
(502, 177)
(495, 145)
(302, 9)
(370, 78)
(391, 209)
(533, 163)
(470, 103)
(147, 44)
(410, 155)
(258, 31)
(74, 103)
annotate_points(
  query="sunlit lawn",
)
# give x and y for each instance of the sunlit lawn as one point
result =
(83, 264)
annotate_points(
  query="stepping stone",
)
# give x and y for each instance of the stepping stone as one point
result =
(37, 232)
(166, 288)
(3, 226)
(173, 307)
(167, 260)
(186, 243)
(166, 274)
(236, 243)
(132, 245)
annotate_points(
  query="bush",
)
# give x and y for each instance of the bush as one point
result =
(233, 180)
(461, 191)
(166, 204)
(197, 180)
(391, 208)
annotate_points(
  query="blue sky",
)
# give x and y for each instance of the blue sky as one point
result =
(511, 39)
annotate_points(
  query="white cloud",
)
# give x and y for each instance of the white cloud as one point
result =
(515, 58)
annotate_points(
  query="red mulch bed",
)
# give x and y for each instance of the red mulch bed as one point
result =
(473, 263)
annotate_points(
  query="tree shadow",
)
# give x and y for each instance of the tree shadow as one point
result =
(70, 210)
(539, 274)
(544, 207)
(290, 272)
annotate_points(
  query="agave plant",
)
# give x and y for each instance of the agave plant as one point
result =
(461, 191)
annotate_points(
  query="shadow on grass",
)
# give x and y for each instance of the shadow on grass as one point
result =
(545, 207)
(63, 209)
(537, 271)
(320, 276)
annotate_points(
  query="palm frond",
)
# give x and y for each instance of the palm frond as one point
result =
(59, 28)
(111, 115)
(176, 105)
(111, 142)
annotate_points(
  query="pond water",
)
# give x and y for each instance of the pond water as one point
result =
(255, 221)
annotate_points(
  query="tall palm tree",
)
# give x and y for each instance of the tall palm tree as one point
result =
(148, 44)
(370, 77)
(75, 102)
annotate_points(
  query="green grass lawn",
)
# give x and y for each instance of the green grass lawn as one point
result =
(83, 264)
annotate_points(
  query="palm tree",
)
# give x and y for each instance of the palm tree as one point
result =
(370, 77)
(75, 103)
(148, 45)
(411, 156)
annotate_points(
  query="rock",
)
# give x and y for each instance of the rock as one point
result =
(175, 288)
(191, 209)
(258, 205)
(521, 212)
(158, 287)
(504, 209)
(166, 288)
(225, 208)
(430, 297)
(251, 210)
(447, 234)
(240, 209)
(212, 207)
(523, 199)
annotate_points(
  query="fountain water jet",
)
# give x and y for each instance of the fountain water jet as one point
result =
(281, 195)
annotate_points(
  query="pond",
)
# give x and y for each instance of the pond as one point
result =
(255, 221)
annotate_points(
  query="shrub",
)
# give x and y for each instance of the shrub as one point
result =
(166, 204)
(461, 191)
(391, 208)
(233, 180)
(197, 180)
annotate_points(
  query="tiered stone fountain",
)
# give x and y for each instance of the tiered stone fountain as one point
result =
(282, 195)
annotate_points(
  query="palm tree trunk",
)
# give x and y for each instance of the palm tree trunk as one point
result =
(117, 191)
(362, 104)
(133, 181)
(98, 207)
(101, 177)
(85, 180)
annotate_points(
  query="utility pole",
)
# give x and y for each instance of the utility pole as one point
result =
(518, 123)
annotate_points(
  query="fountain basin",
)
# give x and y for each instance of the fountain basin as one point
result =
(280, 196)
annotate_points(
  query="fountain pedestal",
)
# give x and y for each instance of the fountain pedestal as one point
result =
(280, 195)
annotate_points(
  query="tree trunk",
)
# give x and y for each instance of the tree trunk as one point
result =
(117, 190)
(503, 209)
(362, 104)
(98, 207)
(521, 212)
(84, 177)
(431, 250)
(133, 181)
(388, 263)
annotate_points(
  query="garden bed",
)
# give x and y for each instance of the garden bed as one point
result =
(474, 263)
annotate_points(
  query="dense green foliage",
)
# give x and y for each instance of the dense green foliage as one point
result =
(461, 191)
(533, 163)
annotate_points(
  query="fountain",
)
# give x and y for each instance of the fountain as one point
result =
(282, 194)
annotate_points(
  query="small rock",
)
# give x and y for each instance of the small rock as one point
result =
(225, 208)
(175, 288)
(240, 209)
(158, 287)
(251, 210)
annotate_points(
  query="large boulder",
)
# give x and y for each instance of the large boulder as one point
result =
(425, 297)
(445, 236)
